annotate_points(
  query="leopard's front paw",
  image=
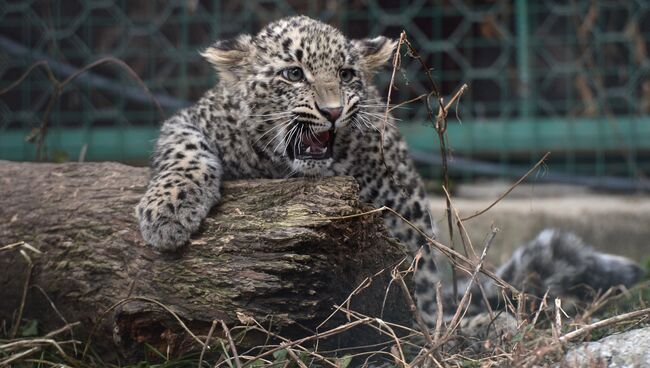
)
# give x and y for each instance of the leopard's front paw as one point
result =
(167, 222)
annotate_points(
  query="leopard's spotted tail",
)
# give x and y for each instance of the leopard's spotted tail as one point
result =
(555, 261)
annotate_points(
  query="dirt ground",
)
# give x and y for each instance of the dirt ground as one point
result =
(614, 223)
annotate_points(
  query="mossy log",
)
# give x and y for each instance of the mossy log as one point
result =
(270, 250)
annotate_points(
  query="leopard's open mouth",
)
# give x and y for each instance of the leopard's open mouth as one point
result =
(307, 145)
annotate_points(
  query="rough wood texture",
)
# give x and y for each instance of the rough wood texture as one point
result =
(268, 251)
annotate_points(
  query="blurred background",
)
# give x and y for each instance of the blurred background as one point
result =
(565, 76)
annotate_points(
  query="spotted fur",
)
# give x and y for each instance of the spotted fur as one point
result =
(257, 121)
(557, 263)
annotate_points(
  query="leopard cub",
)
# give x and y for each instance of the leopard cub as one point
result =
(297, 99)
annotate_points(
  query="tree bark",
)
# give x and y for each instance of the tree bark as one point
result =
(268, 251)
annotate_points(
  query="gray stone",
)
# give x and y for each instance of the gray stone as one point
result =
(625, 350)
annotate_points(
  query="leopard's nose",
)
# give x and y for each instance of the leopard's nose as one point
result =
(331, 113)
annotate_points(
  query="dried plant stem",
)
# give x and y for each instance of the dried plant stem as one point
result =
(233, 348)
(542, 304)
(13, 358)
(512, 187)
(456, 318)
(296, 358)
(461, 227)
(462, 231)
(413, 308)
(439, 309)
(440, 125)
(362, 285)
(23, 298)
(396, 63)
(328, 333)
(259, 327)
(20, 244)
(207, 342)
(420, 97)
(455, 321)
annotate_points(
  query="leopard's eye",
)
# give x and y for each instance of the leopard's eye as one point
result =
(294, 74)
(346, 75)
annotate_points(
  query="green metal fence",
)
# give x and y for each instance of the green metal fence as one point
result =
(569, 77)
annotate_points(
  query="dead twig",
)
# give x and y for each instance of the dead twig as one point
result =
(58, 313)
(295, 358)
(226, 331)
(23, 298)
(207, 342)
(512, 187)
(20, 244)
(328, 333)
(486, 247)
(259, 327)
(413, 308)
(439, 309)
(12, 358)
(440, 125)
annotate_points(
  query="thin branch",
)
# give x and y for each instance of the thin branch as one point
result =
(296, 358)
(231, 343)
(512, 187)
(207, 342)
(439, 314)
(23, 298)
(456, 318)
(328, 333)
(413, 308)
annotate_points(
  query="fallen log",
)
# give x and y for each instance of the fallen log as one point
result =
(270, 251)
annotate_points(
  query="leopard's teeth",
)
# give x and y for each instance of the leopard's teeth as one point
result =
(308, 150)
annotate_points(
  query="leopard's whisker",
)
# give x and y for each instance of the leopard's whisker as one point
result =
(313, 134)
(279, 133)
(381, 116)
(277, 126)
(367, 122)
(383, 105)
(364, 121)
(274, 119)
(297, 129)
(290, 174)
(356, 124)
(286, 139)
(300, 135)
(283, 113)
(371, 118)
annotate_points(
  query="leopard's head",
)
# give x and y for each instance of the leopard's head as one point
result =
(306, 83)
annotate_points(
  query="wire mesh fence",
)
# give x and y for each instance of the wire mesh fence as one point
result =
(570, 77)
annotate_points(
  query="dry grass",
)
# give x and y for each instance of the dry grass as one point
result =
(539, 337)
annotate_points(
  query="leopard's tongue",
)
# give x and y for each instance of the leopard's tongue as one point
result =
(318, 142)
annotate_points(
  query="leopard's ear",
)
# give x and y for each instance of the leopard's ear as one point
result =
(375, 52)
(229, 57)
